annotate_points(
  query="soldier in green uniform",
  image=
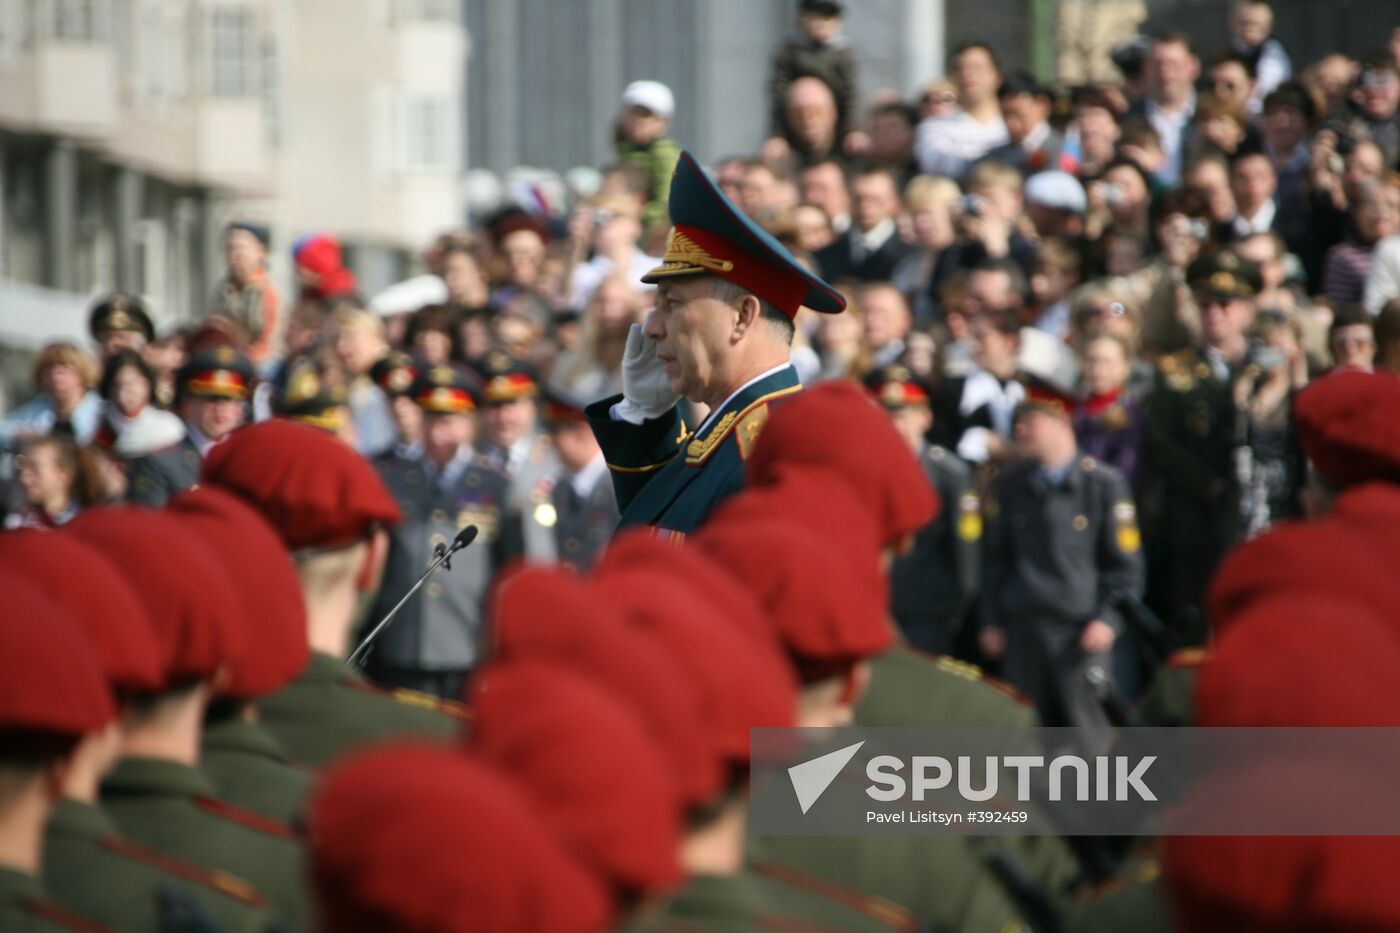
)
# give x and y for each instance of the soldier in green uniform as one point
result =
(720, 336)
(54, 695)
(89, 867)
(156, 794)
(244, 760)
(327, 503)
(933, 585)
(1193, 435)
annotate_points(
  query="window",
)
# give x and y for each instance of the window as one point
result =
(425, 133)
(232, 51)
(271, 91)
(435, 11)
(72, 20)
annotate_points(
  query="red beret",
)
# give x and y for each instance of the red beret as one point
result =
(588, 767)
(640, 550)
(743, 681)
(836, 425)
(425, 839)
(317, 491)
(544, 612)
(1302, 658)
(828, 614)
(1327, 556)
(1285, 884)
(257, 563)
(1349, 423)
(819, 501)
(50, 681)
(87, 587)
(192, 605)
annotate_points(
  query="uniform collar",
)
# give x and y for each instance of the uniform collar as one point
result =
(779, 377)
(236, 734)
(75, 818)
(324, 668)
(157, 777)
(715, 898)
(587, 479)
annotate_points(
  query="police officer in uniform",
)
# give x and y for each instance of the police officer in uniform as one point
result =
(933, 584)
(720, 335)
(1194, 439)
(513, 444)
(214, 388)
(437, 638)
(1063, 550)
(577, 502)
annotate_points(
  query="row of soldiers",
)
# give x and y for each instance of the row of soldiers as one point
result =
(186, 750)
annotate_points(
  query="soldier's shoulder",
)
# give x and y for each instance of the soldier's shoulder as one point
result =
(967, 671)
(221, 882)
(41, 915)
(411, 702)
(246, 819)
(1103, 473)
(831, 898)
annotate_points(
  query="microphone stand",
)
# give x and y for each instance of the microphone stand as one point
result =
(442, 556)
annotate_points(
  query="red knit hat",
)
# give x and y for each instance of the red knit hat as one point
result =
(828, 614)
(425, 839)
(588, 768)
(836, 425)
(109, 614)
(743, 681)
(1350, 428)
(257, 562)
(312, 487)
(50, 681)
(548, 613)
(192, 605)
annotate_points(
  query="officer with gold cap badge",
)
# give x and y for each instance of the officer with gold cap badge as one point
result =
(119, 322)
(719, 336)
(513, 443)
(934, 584)
(214, 388)
(436, 639)
(1195, 435)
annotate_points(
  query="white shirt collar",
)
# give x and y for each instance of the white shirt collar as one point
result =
(1036, 138)
(587, 479)
(875, 237)
(760, 377)
(1260, 222)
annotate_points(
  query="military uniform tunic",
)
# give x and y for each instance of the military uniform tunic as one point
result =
(157, 477)
(328, 710)
(92, 871)
(172, 808)
(25, 909)
(438, 635)
(670, 479)
(749, 902)
(1059, 555)
(934, 584)
(250, 769)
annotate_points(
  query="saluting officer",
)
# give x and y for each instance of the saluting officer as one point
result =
(720, 335)
(1063, 549)
(576, 503)
(437, 637)
(214, 388)
(934, 583)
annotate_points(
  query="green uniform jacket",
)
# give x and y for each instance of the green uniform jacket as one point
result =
(92, 871)
(1134, 900)
(171, 808)
(752, 903)
(250, 769)
(667, 478)
(940, 879)
(25, 909)
(1169, 700)
(328, 710)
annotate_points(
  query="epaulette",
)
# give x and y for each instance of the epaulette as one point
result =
(1142, 870)
(969, 671)
(221, 881)
(748, 429)
(878, 908)
(414, 698)
(1188, 657)
(245, 818)
(61, 916)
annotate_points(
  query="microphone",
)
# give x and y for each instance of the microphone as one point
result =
(442, 557)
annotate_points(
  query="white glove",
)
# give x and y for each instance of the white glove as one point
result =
(646, 389)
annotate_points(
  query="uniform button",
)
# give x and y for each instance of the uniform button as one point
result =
(1081, 522)
(438, 516)
(433, 590)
